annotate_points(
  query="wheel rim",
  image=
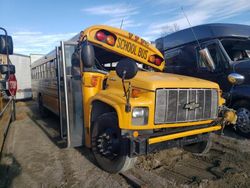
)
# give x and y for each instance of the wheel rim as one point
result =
(243, 120)
(108, 143)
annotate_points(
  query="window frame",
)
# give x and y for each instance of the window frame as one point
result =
(222, 51)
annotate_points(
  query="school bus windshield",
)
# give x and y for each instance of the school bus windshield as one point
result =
(107, 60)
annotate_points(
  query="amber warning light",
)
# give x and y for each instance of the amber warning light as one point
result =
(106, 37)
(155, 60)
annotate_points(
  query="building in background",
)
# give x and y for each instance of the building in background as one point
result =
(23, 74)
(34, 57)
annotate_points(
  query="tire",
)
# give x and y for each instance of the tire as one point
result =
(243, 121)
(200, 148)
(109, 152)
(42, 110)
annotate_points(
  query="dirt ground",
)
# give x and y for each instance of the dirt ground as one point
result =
(35, 156)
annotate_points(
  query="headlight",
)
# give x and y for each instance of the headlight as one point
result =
(140, 116)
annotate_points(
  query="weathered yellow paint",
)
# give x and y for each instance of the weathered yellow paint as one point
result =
(183, 134)
(89, 90)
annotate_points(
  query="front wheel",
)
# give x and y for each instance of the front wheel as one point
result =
(243, 118)
(108, 148)
(200, 148)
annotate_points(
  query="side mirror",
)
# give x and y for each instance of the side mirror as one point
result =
(126, 69)
(235, 78)
(207, 59)
(87, 55)
(5, 69)
(6, 45)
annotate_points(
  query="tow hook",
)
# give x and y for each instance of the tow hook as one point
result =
(228, 117)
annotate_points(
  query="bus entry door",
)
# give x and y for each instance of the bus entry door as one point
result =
(70, 98)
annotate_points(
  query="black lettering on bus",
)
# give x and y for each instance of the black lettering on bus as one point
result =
(130, 35)
(142, 53)
(134, 49)
(118, 43)
(127, 46)
(145, 43)
(136, 38)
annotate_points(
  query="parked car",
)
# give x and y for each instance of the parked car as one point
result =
(228, 46)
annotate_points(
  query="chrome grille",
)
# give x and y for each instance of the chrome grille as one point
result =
(185, 105)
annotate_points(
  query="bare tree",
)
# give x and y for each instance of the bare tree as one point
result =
(167, 29)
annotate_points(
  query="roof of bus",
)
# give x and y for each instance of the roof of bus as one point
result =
(202, 32)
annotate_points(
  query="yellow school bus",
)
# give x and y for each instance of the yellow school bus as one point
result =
(108, 88)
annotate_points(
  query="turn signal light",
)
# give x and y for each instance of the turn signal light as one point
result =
(135, 134)
(110, 40)
(151, 59)
(94, 81)
(155, 60)
(106, 37)
(135, 93)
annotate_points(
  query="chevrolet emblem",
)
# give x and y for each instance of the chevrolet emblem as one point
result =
(191, 106)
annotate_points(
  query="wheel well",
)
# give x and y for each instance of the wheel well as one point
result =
(99, 108)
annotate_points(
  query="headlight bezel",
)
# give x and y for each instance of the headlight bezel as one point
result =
(139, 115)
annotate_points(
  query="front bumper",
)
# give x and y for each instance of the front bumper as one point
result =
(145, 144)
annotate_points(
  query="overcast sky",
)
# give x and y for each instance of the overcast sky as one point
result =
(38, 26)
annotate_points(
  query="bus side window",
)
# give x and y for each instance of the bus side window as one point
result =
(172, 57)
(181, 60)
(217, 56)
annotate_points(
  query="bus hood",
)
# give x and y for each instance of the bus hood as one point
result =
(154, 80)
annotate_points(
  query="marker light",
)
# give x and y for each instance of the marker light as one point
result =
(158, 61)
(135, 134)
(155, 60)
(106, 37)
(135, 93)
(94, 81)
(110, 40)
(151, 59)
(101, 36)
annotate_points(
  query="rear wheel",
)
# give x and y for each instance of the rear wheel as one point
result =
(243, 118)
(200, 148)
(107, 146)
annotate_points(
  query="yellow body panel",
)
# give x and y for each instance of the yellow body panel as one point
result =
(89, 89)
(183, 134)
(114, 97)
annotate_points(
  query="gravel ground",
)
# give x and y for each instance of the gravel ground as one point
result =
(35, 156)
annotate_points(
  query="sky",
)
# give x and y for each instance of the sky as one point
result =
(38, 26)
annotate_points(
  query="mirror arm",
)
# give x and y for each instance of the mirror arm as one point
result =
(126, 93)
